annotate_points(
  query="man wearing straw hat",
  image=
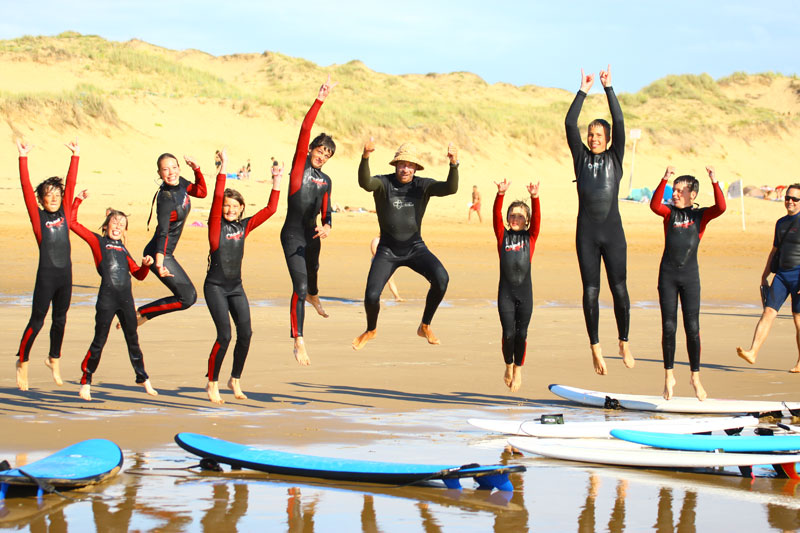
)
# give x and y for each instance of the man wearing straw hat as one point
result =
(400, 202)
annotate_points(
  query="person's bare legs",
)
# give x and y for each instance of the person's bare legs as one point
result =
(597, 358)
(300, 352)
(86, 392)
(22, 375)
(212, 388)
(54, 367)
(313, 299)
(796, 368)
(759, 336)
(516, 381)
(362, 339)
(424, 331)
(235, 385)
(699, 391)
(395, 292)
(508, 375)
(669, 383)
(627, 356)
(148, 388)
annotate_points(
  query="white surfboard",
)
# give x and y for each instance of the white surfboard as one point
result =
(675, 405)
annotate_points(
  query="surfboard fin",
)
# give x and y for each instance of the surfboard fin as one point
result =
(497, 481)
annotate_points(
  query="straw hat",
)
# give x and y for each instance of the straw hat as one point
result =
(407, 152)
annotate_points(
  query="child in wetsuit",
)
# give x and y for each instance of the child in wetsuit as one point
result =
(515, 245)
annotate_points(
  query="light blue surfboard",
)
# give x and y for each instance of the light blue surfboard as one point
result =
(708, 443)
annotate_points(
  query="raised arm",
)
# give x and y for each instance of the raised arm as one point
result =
(72, 177)
(446, 188)
(536, 214)
(571, 121)
(618, 122)
(215, 214)
(719, 206)
(656, 206)
(365, 179)
(497, 209)
(198, 188)
(81, 231)
(28, 193)
(272, 205)
(301, 150)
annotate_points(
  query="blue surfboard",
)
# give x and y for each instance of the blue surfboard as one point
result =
(81, 464)
(708, 443)
(294, 464)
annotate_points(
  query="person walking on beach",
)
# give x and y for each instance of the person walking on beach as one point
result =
(599, 234)
(400, 202)
(115, 266)
(223, 289)
(172, 207)
(309, 196)
(475, 206)
(53, 284)
(784, 261)
(515, 245)
(678, 274)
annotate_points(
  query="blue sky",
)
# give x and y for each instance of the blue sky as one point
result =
(543, 43)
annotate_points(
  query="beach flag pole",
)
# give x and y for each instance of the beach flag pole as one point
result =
(635, 135)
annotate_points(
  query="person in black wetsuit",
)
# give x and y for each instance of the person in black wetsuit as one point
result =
(115, 266)
(223, 289)
(515, 245)
(309, 196)
(400, 202)
(54, 274)
(599, 234)
(679, 273)
(785, 243)
(172, 208)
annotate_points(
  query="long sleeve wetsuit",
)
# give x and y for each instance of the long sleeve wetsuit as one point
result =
(599, 232)
(678, 274)
(223, 289)
(400, 208)
(786, 281)
(309, 196)
(54, 274)
(115, 266)
(172, 208)
(515, 291)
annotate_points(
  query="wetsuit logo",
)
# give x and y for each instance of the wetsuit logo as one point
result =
(595, 166)
(515, 246)
(234, 236)
(317, 181)
(185, 201)
(399, 204)
(51, 224)
(683, 224)
(115, 247)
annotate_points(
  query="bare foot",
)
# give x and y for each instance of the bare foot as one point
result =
(750, 357)
(149, 388)
(236, 387)
(627, 356)
(399, 299)
(699, 391)
(212, 388)
(140, 320)
(599, 362)
(22, 375)
(86, 392)
(669, 385)
(300, 352)
(313, 299)
(795, 369)
(53, 365)
(424, 331)
(516, 382)
(362, 339)
(509, 374)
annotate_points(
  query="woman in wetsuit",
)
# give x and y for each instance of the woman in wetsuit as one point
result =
(54, 274)
(223, 289)
(679, 273)
(599, 234)
(515, 245)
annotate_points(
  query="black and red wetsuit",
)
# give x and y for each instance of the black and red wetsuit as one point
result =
(599, 232)
(54, 275)
(309, 196)
(515, 292)
(400, 208)
(115, 266)
(172, 208)
(223, 289)
(679, 273)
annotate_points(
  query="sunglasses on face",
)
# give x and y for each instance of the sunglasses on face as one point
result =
(794, 199)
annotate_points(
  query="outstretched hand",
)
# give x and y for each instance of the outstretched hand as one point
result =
(533, 190)
(23, 148)
(452, 153)
(83, 195)
(669, 172)
(369, 147)
(73, 146)
(587, 80)
(192, 162)
(277, 175)
(326, 88)
(711, 173)
(605, 77)
(502, 186)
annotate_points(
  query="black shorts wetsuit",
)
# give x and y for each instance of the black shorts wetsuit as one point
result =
(309, 196)
(54, 274)
(172, 208)
(787, 279)
(515, 292)
(115, 266)
(223, 289)
(679, 273)
(400, 208)
(599, 231)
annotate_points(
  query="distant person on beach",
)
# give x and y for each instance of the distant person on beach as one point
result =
(678, 274)
(599, 234)
(784, 262)
(115, 266)
(172, 207)
(373, 247)
(475, 206)
(515, 245)
(309, 197)
(54, 274)
(400, 202)
(223, 289)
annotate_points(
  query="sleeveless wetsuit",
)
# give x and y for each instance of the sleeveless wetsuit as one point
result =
(787, 279)
(223, 289)
(309, 196)
(54, 274)
(679, 273)
(400, 208)
(115, 266)
(599, 231)
(172, 208)
(515, 292)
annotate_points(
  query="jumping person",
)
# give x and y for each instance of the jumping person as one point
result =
(785, 243)
(400, 202)
(54, 274)
(115, 266)
(223, 289)
(309, 196)
(515, 245)
(172, 207)
(599, 234)
(679, 273)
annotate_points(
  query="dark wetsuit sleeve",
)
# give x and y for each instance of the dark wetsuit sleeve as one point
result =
(365, 180)
(445, 188)
(215, 215)
(198, 188)
(139, 271)
(301, 151)
(656, 206)
(85, 234)
(497, 219)
(30, 198)
(618, 124)
(325, 211)
(715, 210)
(571, 125)
(164, 208)
(264, 214)
(69, 186)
